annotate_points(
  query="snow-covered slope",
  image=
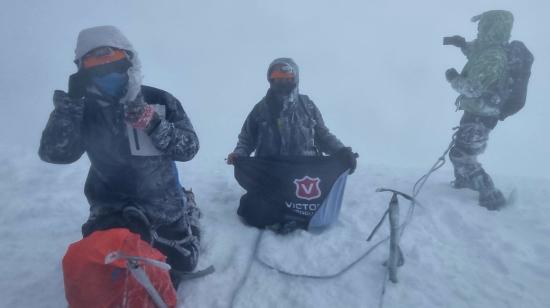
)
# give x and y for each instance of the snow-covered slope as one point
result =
(457, 253)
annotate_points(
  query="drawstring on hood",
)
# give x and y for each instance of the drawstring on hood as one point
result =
(95, 37)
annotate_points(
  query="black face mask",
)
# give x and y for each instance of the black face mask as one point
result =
(282, 88)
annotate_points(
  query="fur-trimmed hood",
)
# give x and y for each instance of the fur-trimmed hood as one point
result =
(92, 38)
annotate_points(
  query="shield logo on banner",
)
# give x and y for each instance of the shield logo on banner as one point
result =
(308, 188)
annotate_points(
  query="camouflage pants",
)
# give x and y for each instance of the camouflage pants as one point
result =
(471, 141)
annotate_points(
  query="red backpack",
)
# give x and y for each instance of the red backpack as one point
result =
(114, 269)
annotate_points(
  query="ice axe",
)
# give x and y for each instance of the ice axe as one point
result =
(396, 258)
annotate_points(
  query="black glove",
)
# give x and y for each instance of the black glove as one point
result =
(456, 40)
(64, 103)
(284, 228)
(348, 157)
(232, 157)
(77, 85)
(451, 74)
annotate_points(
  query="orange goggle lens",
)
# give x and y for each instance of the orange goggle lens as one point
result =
(115, 55)
(281, 75)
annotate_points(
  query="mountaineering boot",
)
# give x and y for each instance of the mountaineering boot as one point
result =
(480, 181)
(188, 262)
(492, 200)
(477, 180)
(460, 183)
(180, 240)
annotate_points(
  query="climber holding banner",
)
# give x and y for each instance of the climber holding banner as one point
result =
(290, 183)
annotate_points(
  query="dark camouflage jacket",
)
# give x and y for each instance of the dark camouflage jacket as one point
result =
(116, 177)
(298, 130)
(486, 72)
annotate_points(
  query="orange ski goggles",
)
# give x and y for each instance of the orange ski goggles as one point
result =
(282, 72)
(101, 56)
(281, 75)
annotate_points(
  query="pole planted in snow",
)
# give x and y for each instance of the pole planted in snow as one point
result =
(396, 256)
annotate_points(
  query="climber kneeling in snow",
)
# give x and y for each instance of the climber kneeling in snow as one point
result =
(492, 86)
(133, 135)
(289, 181)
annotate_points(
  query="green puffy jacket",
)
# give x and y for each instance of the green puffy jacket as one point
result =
(486, 71)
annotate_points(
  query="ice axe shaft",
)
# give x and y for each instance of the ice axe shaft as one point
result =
(388, 210)
(396, 256)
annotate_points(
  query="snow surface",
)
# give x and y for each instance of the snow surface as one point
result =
(457, 254)
(392, 104)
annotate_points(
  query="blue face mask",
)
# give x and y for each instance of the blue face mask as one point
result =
(112, 84)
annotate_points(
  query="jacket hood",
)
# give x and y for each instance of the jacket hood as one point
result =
(287, 61)
(288, 100)
(101, 36)
(494, 27)
(92, 38)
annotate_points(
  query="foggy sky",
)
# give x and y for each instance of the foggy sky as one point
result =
(374, 68)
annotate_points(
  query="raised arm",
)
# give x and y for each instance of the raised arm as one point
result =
(175, 135)
(61, 141)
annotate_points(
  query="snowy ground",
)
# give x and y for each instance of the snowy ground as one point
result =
(457, 254)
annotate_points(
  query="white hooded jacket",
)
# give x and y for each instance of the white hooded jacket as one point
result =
(101, 36)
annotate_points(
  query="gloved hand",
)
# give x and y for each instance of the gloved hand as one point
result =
(284, 228)
(62, 101)
(77, 85)
(231, 158)
(348, 157)
(451, 74)
(455, 40)
(140, 115)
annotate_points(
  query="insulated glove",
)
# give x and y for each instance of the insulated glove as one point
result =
(348, 157)
(231, 158)
(140, 115)
(284, 228)
(455, 40)
(451, 74)
(62, 101)
(77, 85)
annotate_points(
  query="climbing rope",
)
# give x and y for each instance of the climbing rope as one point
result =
(417, 188)
(419, 184)
(247, 271)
